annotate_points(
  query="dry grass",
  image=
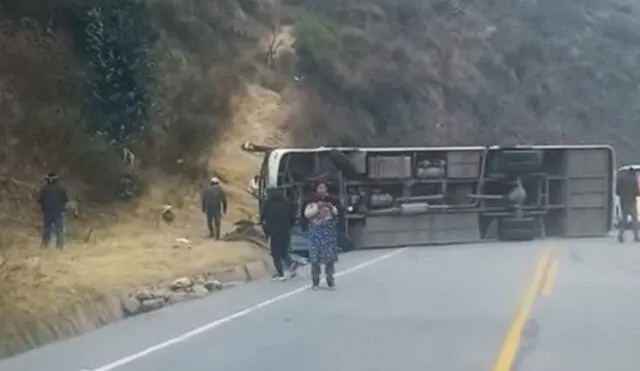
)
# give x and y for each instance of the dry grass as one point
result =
(258, 117)
(120, 250)
(114, 250)
(48, 294)
(39, 282)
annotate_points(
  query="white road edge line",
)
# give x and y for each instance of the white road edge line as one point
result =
(211, 325)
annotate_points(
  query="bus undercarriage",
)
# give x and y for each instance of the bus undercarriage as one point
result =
(422, 196)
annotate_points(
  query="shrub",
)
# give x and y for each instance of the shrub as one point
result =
(117, 46)
(316, 41)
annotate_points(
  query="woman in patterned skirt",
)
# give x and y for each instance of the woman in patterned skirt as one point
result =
(322, 216)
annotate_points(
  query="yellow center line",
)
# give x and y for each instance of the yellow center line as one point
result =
(512, 341)
(550, 280)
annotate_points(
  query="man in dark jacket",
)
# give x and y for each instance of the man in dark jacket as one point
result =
(214, 205)
(276, 218)
(53, 201)
(627, 190)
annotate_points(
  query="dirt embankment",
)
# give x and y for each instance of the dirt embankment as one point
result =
(207, 76)
(48, 295)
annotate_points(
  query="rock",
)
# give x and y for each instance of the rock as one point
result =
(162, 294)
(167, 214)
(213, 285)
(131, 306)
(199, 290)
(144, 294)
(182, 283)
(151, 304)
(182, 243)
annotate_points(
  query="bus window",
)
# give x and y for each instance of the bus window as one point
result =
(297, 167)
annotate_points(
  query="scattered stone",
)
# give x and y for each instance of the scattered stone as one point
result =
(199, 290)
(182, 243)
(185, 288)
(162, 294)
(151, 304)
(182, 283)
(144, 294)
(167, 214)
(213, 285)
(131, 306)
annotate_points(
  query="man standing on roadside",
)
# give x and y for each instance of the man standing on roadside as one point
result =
(627, 190)
(214, 205)
(276, 218)
(53, 201)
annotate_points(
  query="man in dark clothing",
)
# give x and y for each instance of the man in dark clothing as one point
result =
(214, 205)
(276, 218)
(627, 190)
(53, 201)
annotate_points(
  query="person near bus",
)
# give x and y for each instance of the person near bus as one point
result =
(627, 190)
(53, 201)
(322, 233)
(277, 220)
(214, 205)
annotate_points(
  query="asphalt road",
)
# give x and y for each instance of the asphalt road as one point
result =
(555, 305)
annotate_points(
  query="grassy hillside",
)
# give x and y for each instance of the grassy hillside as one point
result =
(82, 83)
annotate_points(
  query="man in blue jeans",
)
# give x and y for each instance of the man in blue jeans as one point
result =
(53, 201)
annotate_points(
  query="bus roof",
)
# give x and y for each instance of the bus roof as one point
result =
(632, 167)
(275, 156)
(435, 149)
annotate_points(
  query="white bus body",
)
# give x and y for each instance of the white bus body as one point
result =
(404, 196)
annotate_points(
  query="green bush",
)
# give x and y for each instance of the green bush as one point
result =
(316, 42)
(117, 47)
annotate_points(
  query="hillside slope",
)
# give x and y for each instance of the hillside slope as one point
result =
(456, 71)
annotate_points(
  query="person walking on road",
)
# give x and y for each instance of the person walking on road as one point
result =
(53, 201)
(277, 220)
(322, 233)
(627, 190)
(214, 205)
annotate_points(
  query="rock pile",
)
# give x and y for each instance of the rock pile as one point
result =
(185, 288)
(181, 289)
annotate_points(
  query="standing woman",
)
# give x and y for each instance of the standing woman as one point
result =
(322, 216)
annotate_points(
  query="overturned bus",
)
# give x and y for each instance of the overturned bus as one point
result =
(442, 195)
